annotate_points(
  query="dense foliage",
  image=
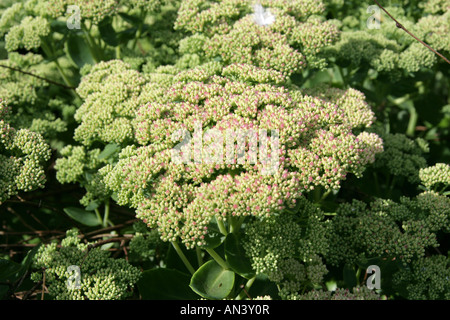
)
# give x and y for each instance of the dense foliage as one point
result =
(120, 177)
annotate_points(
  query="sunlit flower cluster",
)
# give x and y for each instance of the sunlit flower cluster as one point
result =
(316, 144)
(228, 30)
(22, 157)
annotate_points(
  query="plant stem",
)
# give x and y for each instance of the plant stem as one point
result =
(325, 195)
(316, 194)
(48, 50)
(139, 32)
(412, 121)
(221, 226)
(399, 25)
(247, 287)
(199, 256)
(96, 54)
(99, 217)
(183, 257)
(377, 184)
(217, 258)
(106, 215)
(236, 224)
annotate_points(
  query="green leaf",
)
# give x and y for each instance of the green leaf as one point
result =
(8, 269)
(12, 271)
(236, 258)
(364, 263)
(211, 281)
(165, 284)
(78, 51)
(107, 32)
(82, 216)
(350, 276)
(173, 260)
(93, 205)
(59, 26)
(263, 286)
(126, 35)
(129, 18)
(109, 150)
(214, 237)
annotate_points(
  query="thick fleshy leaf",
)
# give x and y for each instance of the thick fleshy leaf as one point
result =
(107, 32)
(78, 51)
(211, 281)
(109, 150)
(236, 258)
(213, 238)
(87, 218)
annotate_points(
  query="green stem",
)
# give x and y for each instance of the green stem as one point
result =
(412, 121)
(221, 226)
(93, 48)
(99, 217)
(246, 288)
(199, 256)
(235, 224)
(358, 273)
(183, 257)
(139, 32)
(316, 194)
(377, 184)
(218, 258)
(325, 195)
(106, 215)
(48, 50)
(64, 76)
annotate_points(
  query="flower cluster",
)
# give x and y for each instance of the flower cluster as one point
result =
(28, 95)
(435, 176)
(8, 17)
(22, 155)
(402, 157)
(27, 34)
(228, 30)
(111, 91)
(435, 6)
(80, 165)
(389, 49)
(435, 29)
(95, 10)
(286, 247)
(146, 245)
(316, 144)
(385, 228)
(427, 278)
(101, 277)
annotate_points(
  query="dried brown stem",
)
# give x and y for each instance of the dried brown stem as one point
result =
(399, 25)
(36, 76)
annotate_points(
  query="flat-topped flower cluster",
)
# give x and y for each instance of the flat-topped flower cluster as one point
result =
(317, 146)
(22, 155)
(227, 29)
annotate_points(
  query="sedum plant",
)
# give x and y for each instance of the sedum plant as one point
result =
(202, 149)
(23, 154)
(101, 277)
